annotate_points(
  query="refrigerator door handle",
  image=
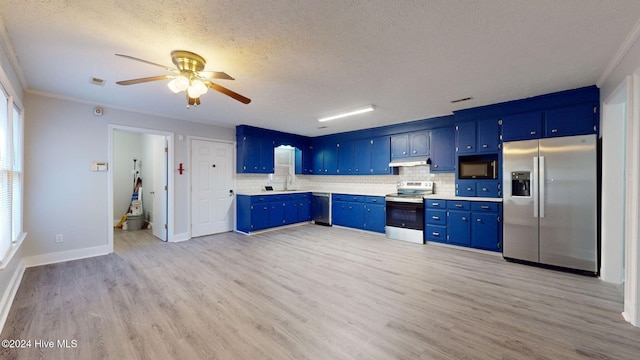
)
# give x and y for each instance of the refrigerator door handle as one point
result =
(534, 187)
(541, 181)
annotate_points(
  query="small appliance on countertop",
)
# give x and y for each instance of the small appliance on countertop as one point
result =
(405, 211)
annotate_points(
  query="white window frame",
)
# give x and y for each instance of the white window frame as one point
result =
(16, 165)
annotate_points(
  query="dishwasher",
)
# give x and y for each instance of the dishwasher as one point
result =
(321, 208)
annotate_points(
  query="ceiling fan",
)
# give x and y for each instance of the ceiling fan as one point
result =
(188, 77)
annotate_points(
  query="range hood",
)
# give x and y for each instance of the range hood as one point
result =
(410, 161)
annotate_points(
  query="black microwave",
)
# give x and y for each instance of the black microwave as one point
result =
(478, 169)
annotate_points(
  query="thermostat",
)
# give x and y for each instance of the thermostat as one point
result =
(99, 166)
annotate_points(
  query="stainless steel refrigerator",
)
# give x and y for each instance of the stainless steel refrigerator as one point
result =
(550, 202)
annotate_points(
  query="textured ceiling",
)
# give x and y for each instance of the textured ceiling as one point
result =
(301, 60)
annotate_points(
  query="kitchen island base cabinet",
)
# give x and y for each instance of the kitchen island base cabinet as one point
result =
(259, 212)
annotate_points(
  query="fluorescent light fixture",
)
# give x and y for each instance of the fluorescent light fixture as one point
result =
(353, 112)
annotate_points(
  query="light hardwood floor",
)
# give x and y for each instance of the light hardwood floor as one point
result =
(312, 292)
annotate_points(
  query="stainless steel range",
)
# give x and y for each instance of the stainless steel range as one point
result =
(405, 211)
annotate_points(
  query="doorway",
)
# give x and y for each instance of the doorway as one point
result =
(212, 187)
(145, 154)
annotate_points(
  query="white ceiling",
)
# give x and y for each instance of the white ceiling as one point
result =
(301, 60)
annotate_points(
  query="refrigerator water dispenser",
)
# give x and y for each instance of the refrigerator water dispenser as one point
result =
(520, 183)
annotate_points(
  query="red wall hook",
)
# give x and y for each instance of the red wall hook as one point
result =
(181, 169)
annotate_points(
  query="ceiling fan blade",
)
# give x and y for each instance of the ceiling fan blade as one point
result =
(144, 80)
(215, 75)
(228, 92)
(168, 68)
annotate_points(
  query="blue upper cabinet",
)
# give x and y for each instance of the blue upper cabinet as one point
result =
(524, 126)
(255, 155)
(362, 155)
(415, 144)
(400, 146)
(488, 136)
(442, 150)
(346, 161)
(419, 143)
(477, 137)
(466, 137)
(325, 159)
(380, 155)
(578, 119)
(573, 120)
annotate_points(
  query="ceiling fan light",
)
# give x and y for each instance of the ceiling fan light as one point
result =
(181, 83)
(199, 86)
(173, 87)
(193, 92)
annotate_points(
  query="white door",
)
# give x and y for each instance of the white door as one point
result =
(212, 187)
(159, 190)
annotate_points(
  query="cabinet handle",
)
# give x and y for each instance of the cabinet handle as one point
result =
(479, 220)
(484, 189)
(435, 217)
(458, 205)
(469, 189)
(435, 233)
(554, 130)
(435, 204)
(404, 153)
(485, 146)
(486, 207)
(464, 218)
(469, 146)
(435, 165)
(415, 151)
(532, 133)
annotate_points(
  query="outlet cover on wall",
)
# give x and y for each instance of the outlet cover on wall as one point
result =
(59, 238)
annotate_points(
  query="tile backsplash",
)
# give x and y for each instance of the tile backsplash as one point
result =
(444, 183)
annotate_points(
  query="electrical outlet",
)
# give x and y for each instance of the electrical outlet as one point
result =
(59, 238)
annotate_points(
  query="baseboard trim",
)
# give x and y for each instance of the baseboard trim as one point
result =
(10, 293)
(62, 256)
(180, 237)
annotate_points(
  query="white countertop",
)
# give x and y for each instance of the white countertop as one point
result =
(453, 197)
(284, 192)
(365, 193)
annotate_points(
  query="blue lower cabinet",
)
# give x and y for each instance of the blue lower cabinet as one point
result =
(260, 216)
(290, 212)
(435, 233)
(276, 216)
(355, 215)
(459, 228)
(486, 226)
(475, 224)
(304, 208)
(266, 211)
(358, 212)
(374, 214)
(339, 212)
(466, 188)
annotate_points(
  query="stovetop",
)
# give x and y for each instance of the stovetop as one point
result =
(411, 191)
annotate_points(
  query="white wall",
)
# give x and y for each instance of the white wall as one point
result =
(62, 195)
(626, 65)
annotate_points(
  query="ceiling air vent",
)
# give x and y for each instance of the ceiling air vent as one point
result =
(461, 100)
(97, 81)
